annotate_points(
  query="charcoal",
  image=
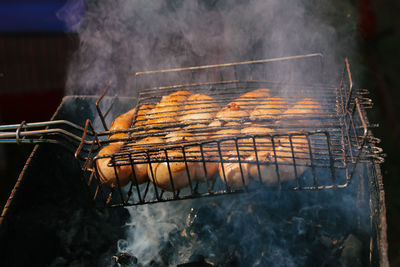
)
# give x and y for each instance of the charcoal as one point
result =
(124, 259)
(351, 253)
(166, 252)
(195, 261)
(78, 263)
(204, 222)
(154, 263)
(227, 258)
(59, 262)
(320, 256)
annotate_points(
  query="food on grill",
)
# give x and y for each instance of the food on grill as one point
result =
(141, 169)
(284, 157)
(250, 99)
(225, 133)
(164, 111)
(175, 97)
(107, 174)
(307, 107)
(179, 137)
(304, 107)
(232, 112)
(171, 175)
(199, 108)
(122, 122)
(220, 123)
(256, 129)
(169, 108)
(209, 171)
(263, 146)
(257, 93)
(185, 107)
(271, 108)
(262, 143)
(195, 126)
(231, 172)
(143, 114)
(176, 173)
(194, 152)
(301, 156)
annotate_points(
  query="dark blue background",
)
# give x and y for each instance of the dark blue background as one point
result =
(33, 16)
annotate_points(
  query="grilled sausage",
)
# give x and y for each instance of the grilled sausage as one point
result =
(199, 108)
(176, 97)
(122, 122)
(267, 172)
(141, 169)
(169, 108)
(303, 108)
(165, 172)
(234, 174)
(106, 174)
(230, 171)
(172, 175)
(271, 108)
(246, 148)
(194, 152)
(248, 101)
(143, 114)
(232, 112)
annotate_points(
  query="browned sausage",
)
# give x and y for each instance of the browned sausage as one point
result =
(303, 108)
(232, 112)
(141, 169)
(231, 172)
(271, 108)
(284, 158)
(122, 122)
(178, 96)
(107, 174)
(194, 152)
(160, 172)
(250, 100)
(199, 108)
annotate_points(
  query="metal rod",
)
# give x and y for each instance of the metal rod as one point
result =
(230, 64)
(102, 117)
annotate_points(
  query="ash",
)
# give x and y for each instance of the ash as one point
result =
(264, 228)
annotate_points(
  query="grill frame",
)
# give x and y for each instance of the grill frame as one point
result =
(13, 230)
(358, 145)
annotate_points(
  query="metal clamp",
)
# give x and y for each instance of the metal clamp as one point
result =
(348, 100)
(102, 117)
(18, 132)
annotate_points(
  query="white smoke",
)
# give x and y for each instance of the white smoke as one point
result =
(149, 227)
(119, 38)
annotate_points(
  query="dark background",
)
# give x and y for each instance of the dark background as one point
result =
(34, 55)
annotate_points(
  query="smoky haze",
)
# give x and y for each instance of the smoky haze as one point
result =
(119, 38)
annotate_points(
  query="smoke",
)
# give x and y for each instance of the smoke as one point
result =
(119, 38)
(263, 228)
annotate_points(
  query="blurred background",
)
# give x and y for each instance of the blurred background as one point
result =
(36, 46)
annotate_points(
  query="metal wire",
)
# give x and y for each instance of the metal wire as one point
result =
(307, 128)
(334, 135)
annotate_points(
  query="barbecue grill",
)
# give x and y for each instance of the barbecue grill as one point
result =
(336, 141)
